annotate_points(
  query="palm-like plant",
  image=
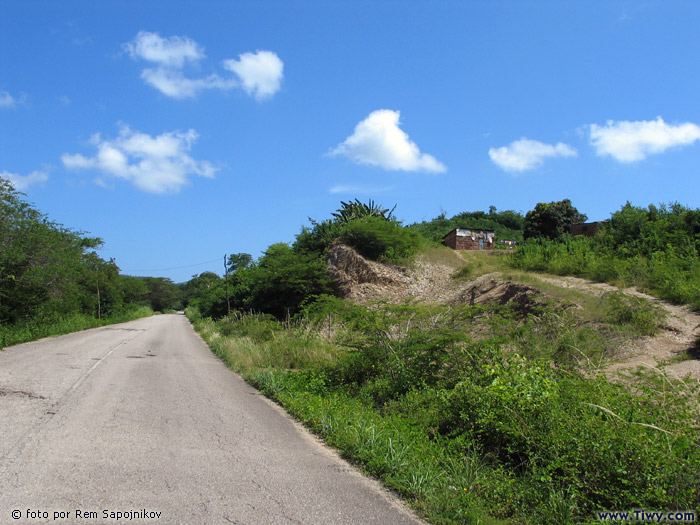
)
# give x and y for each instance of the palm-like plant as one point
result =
(350, 211)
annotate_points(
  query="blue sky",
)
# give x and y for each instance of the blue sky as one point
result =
(181, 131)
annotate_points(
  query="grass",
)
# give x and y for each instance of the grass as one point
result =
(33, 330)
(484, 262)
(510, 427)
(466, 263)
(437, 254)
(633, 315)
(251, 343)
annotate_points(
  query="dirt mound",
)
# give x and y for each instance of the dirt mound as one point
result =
(354, 276)
(363, 281)
(501, 292)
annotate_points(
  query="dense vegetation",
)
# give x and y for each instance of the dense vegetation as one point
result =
(53, 281)
(656, 249)
(483, 414)
(478, 414)
(551, 220)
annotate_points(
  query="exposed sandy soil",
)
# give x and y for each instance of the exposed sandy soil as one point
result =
(362, 281)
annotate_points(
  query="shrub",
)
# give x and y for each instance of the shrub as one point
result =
(639, 314)
(379, 239)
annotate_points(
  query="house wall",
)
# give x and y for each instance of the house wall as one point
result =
(588, 229)
(461, 239)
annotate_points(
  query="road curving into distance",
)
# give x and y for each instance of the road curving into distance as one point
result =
(140, 423)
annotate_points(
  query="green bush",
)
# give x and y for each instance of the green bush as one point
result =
(635, 312)
(382, 240)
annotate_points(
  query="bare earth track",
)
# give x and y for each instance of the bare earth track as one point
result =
(141, 416)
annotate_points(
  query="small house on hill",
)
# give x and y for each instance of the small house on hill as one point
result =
(585, 228)
(470, 239)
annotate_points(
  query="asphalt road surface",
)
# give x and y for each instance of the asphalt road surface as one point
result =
(141, 419)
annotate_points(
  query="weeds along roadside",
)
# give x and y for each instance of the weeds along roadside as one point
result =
(474, 414)
(40, 328)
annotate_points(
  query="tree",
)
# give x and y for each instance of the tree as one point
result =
(238, 261)
(280, 281)
(552, 220)
(47, 270)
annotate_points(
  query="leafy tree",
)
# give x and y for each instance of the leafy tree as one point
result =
(199, 286)
(134, 289)
(47, 270)
(379, 239)
(318, 238)
(280, 281)
(238, 261)
(102, 293)
(552, 220)
(322, 234)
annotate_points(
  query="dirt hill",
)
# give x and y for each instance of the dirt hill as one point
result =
(430, 280)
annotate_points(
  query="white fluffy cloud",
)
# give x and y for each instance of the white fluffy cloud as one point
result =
(6, 100)
(259, 73)
(526, 154)
(633, 141)
(169, 52)
(379, 141)
(159, 164)
(22, 182)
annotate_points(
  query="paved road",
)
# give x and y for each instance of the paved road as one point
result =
(141, 417)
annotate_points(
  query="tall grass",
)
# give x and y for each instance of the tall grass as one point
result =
(38, 329)
(253, 342)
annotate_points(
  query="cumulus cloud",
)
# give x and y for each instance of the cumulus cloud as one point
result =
(168, 52)
(633, 141)
(159, 164)
(259, 73)
(379, 141)
(23, 182)
(526, 154)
